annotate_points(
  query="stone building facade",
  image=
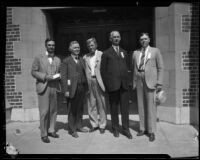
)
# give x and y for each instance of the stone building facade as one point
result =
(176, 34)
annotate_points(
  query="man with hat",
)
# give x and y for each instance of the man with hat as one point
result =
(148, 80)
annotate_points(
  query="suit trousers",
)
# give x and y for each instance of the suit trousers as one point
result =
(119, 98)
(76, 105)
(96, 105)
(146, 105)
(47, 102)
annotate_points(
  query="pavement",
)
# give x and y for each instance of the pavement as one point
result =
(176, 141)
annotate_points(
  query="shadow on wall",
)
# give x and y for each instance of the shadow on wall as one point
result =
(194, 66)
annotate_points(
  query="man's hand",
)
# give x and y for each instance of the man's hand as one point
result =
(49, 77)
(66, 94)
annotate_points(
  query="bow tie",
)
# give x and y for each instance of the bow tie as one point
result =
(76, 57)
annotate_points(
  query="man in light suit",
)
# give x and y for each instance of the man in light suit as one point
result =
(114, 72)
(147, 79)
(96, 97)
(75, 86)
(46, 70)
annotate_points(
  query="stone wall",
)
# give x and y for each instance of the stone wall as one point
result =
(12, 63)
(177, 35)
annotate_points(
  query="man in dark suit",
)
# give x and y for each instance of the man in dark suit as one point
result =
(75, 86)
(45, 69)
(147, 79)
(114, 73)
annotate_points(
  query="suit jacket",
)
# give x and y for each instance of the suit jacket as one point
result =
(114, 70)
(70, 73)
(41, 67)
(153, 69)
(96, 70)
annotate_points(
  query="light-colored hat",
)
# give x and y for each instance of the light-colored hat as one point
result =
(161, 97)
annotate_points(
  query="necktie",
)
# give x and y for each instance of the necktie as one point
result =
(117, 50)
(142, 59)
(76, 57)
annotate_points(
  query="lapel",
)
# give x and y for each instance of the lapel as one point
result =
(71, 61)
(97, 58)
(148, 55)
(122, 55)
(113, 52)
(138, 57)
(81, 62)
(45, 61)
(87, 59)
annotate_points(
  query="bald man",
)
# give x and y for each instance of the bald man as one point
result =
(114, 73)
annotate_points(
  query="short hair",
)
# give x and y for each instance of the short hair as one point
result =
(111, 33)
(71, 43)
(144, 33)
(91, 40)
(47, 40)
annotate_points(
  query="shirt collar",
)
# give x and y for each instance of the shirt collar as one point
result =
(74, 56)
(115, 47)
(146, 50)
(93, 55)
(47, 53)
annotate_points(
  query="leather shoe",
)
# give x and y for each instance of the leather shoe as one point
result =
(141, 133)
(82, 130)
(93, 129)
(53, 134)
(116, 133)
(102, 130)
(151, 137)
(75, 135)
(45, 139)
(127, 134)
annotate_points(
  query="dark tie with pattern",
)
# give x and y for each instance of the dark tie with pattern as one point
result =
(142, 60)
(77, 58)
(117, 50)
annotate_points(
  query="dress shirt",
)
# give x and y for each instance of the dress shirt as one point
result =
(75, 58)
(116, 48)
(93, 63)
(145, 57)
(50, 59)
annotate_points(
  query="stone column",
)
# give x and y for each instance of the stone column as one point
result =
(33, 32)
(173, 39)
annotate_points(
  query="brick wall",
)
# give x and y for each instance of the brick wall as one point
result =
(12, 64)
(186, 23)
(190, 59)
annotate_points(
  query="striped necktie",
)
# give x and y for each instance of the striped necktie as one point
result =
(117, 50)
(142, 59)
